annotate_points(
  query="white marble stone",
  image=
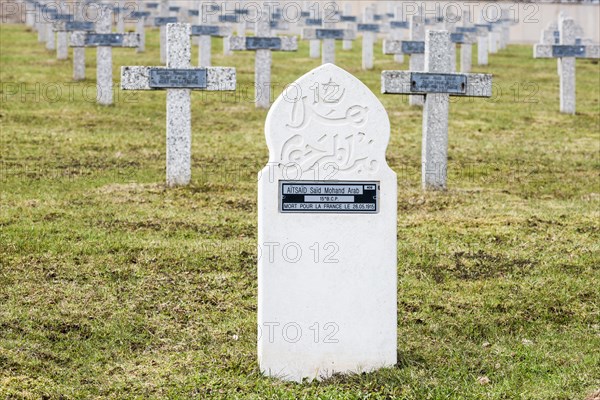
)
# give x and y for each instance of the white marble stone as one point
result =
(104, 89)
(335, 311)
(314, 48)
(347, 44)
(50, 36)
(263, 58)
(163, 10)
(482, 46)
(179, 137)
(62, 49)
(416, 61)
(434, 154)
(140, 29)
(368, 40)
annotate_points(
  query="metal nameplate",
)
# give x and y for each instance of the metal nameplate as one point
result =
(239, 11)
(63, 17)
(399, 24)
(305, 14)
(160, 21)
(79, 26)
(341, 197)
(457, 37)
(205, 30)
(486, 26)
(568, 51)
(162, 78)
(438, 83)
(470, 29)
(263, 43)
(151, 5)
(577, 41)
(139, 14)
(174, 8)
(368, 28)
(313, 22)
(377, 17)
(348, 18)
(413, 47)
(193, 13)
(104, 39)
(330, 34)
(228, 18)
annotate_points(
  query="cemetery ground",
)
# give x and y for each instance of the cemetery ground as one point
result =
(112, 285)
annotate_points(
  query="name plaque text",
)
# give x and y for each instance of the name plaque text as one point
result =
(259, 43)
(568, 51)
(79, 26)
(161, 78)
(330, 34)
(349, 197)
(438, 83)
(205, 30)
(104, 39)
(160, 21)
(413, 47)
(368, 28)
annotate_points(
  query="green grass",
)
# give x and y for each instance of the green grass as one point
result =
(112, 286)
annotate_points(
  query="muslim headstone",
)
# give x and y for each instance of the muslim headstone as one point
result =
(327, 232)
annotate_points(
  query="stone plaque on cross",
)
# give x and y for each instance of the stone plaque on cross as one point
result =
(328, 35)
(178, 78)
(437, 84)
(263, 43)
(104, 41)
(327, 211)
(567, 51)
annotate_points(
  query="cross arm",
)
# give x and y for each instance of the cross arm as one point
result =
(407, 82)
(323, 33)
(392, 46)
(217, 78)
(279, 43)
(557, 51)
(90, 39)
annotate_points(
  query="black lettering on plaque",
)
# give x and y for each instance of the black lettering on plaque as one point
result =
(438, 83)
(568, 51)
(163, 78)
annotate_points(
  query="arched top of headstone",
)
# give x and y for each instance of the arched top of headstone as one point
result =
(329, 121)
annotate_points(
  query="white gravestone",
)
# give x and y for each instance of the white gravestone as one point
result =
(350, 24)
(140, 18)
(178, 78)
(397, 26)
(567, 51)
(415, 48)
(437, 84)
(483, 32)
(206, 33)
(314, 50)
(369, 33)
(327, 232)
(263, 43)
(104, 41)
(328, 35)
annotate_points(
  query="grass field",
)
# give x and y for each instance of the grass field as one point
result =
(112, 286)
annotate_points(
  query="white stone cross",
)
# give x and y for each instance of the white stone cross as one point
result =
(228, 20)
(104, 41)
(263, 43)
(369, 33)
(350, 21)
(78, 52)
(465, 37)
(483, 41)
(140, 18)
(62, 46)
(327, 232)
(162, 22)
(567, 51)
(415, 48)
(397, 27)
(206, 33)
(328, 35)
(178, 78)
(314, 50)
(437, 84)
